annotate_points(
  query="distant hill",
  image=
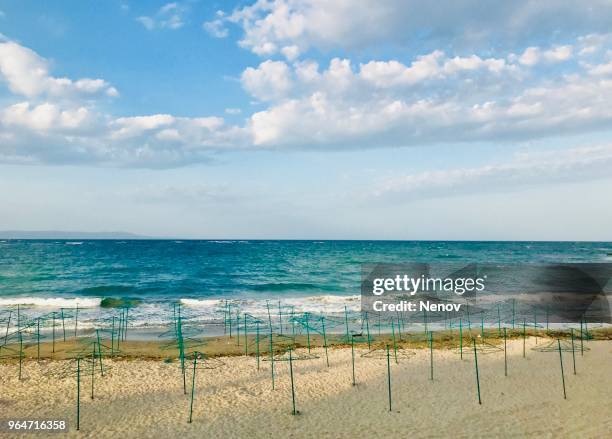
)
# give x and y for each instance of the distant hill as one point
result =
(57, 234)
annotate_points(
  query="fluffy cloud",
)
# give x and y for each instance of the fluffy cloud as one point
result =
(127, 127)
(270, 26)
(593, 44)
(435, 97)
(604, 69)
(526, 169)
(534, 55)
(277, 80)
(427, 67)
(320, 120)
(60, 122)
(27, 74)
(268, 81)
(216, 27)
(170, 16)
(45, 117)
(49, 134)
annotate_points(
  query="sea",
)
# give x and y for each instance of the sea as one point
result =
(152, 276)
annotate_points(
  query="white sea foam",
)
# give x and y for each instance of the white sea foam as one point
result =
(51, 302)
(74, 243)
(314, 304)
(203, 303)
(206, 313)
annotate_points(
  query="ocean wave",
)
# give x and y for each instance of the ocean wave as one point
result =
(325, 303)
(259, 307)
(74, 243)
(203, 303)
(51, 302)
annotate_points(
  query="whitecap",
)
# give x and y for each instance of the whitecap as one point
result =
(51, 302)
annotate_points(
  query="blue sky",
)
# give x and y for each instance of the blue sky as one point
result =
(308, 119)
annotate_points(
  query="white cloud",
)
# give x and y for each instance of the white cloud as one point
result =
(170, 16)
(216, 27)
(291, 52)
(592, 44)
(45, 117)
(147, 22)
(601, 69)
(433, 98)
(534, 55)
(27, 74)
(530, 56)
(59, 123)
(271, 25)
(569, 165)
(48, 133)
(271, 80)
(427, 67)
(393, 72)
(127, 127)
(560, 53)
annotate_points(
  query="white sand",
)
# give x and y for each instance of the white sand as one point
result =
(145, 399)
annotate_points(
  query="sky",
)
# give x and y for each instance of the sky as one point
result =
(308, 119)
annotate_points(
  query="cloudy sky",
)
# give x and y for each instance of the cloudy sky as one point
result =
(308, 119)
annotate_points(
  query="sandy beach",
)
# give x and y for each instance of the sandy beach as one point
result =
(145, 398)
(306, 219)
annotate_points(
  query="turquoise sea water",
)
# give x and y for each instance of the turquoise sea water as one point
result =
(308, 275)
